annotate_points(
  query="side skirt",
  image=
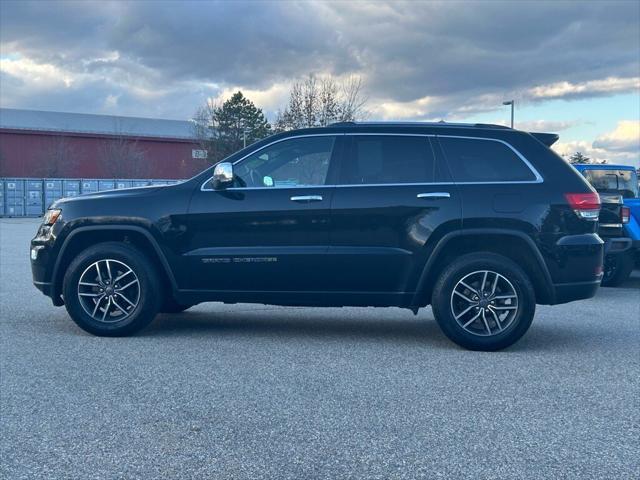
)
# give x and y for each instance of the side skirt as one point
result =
(307, 299)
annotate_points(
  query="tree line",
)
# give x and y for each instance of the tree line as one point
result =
(224, 128)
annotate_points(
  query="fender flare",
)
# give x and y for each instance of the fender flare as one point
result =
(442, 243)
(131, 228)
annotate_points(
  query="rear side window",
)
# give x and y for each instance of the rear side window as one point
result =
(478, 160)
(382, 159)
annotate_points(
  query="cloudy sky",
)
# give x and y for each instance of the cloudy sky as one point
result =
(573, 68)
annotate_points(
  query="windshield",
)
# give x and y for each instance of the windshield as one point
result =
(624, 182)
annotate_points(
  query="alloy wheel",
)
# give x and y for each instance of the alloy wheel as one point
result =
(108, 290)
(484, 303)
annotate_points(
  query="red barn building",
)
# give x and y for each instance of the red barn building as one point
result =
(74, 145)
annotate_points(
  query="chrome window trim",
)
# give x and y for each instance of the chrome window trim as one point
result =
(538, 177)
(208, 180)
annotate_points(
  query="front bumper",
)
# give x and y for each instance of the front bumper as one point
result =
(42, 257)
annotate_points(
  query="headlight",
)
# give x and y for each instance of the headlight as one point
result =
(51, 216)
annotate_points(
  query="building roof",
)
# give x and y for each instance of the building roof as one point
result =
(83, 123)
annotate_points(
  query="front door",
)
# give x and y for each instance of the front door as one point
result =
(269, 232)
(392, 200)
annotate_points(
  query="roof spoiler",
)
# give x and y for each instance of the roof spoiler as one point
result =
(547, 138)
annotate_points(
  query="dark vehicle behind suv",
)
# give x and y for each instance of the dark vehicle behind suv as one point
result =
(481, 222)
(616, 185)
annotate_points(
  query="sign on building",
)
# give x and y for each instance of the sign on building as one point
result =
(198, 153)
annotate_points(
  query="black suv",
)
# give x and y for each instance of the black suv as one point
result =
(479, 221)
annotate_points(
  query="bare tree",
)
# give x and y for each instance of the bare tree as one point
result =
(353, 105)
(317, 102)
(58, 159)
(122, 158)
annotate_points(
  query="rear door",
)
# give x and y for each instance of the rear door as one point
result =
(393, 199)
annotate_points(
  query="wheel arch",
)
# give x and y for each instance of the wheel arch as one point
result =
(82, 237)
(513, 244)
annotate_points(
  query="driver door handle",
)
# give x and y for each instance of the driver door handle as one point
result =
(434, 195)
(307, 198)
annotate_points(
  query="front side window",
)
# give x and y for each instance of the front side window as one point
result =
(479, 160)
(387, 159)
(295, 162)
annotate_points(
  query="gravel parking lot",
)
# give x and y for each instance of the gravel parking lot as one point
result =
(250, 391)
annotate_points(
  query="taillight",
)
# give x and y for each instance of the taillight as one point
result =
(586, 205)
(625, 214)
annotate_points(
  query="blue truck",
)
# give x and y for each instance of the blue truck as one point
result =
(617, 186)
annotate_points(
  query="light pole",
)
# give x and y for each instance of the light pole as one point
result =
(244, 136)
(512, 103)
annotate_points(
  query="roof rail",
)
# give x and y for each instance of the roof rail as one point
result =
(341, 124)
(441, 123)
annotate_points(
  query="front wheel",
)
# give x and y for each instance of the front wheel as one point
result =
(111, 289)
(483, 301)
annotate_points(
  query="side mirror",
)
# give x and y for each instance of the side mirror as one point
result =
(222, 176)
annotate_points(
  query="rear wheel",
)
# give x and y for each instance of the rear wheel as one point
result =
(111, 289)
(483, 301)
(617, 269)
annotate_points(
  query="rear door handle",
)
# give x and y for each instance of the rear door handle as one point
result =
(434, 195)
(307, 198)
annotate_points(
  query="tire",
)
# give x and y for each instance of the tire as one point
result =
(113, 308)
(507, 319)
(171, 306)
(617, 269)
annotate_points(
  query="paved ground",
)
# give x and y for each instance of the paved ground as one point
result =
(262, 392)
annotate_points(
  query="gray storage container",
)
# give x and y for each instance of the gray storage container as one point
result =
(34, 197)
(123, 184)
(52, 191)
(106, 185)
(1, 197)
(140, 183)
(88, 186)
(14, 197)
(71, 188)
(158, 182)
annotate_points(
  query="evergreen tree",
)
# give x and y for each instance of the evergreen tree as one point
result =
(225, 129)
(578, 157)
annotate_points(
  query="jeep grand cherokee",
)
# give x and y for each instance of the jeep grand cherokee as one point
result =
(481, 222)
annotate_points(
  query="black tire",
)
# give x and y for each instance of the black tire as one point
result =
(617, 269)
(148, 290)
(171, 306)
(472, 266)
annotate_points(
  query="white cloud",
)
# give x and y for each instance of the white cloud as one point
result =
(391, 110)
(625, 138)
(622, 145)
(36, 75)
(606, 86)
(550, 126)
(270, 100)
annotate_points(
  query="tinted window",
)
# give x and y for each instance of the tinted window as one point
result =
(290, 163)
(624, 182)
(389, 159)
(476, 160)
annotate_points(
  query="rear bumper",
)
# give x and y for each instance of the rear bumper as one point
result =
(568, 292)
(613, 246)
(576, 269)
